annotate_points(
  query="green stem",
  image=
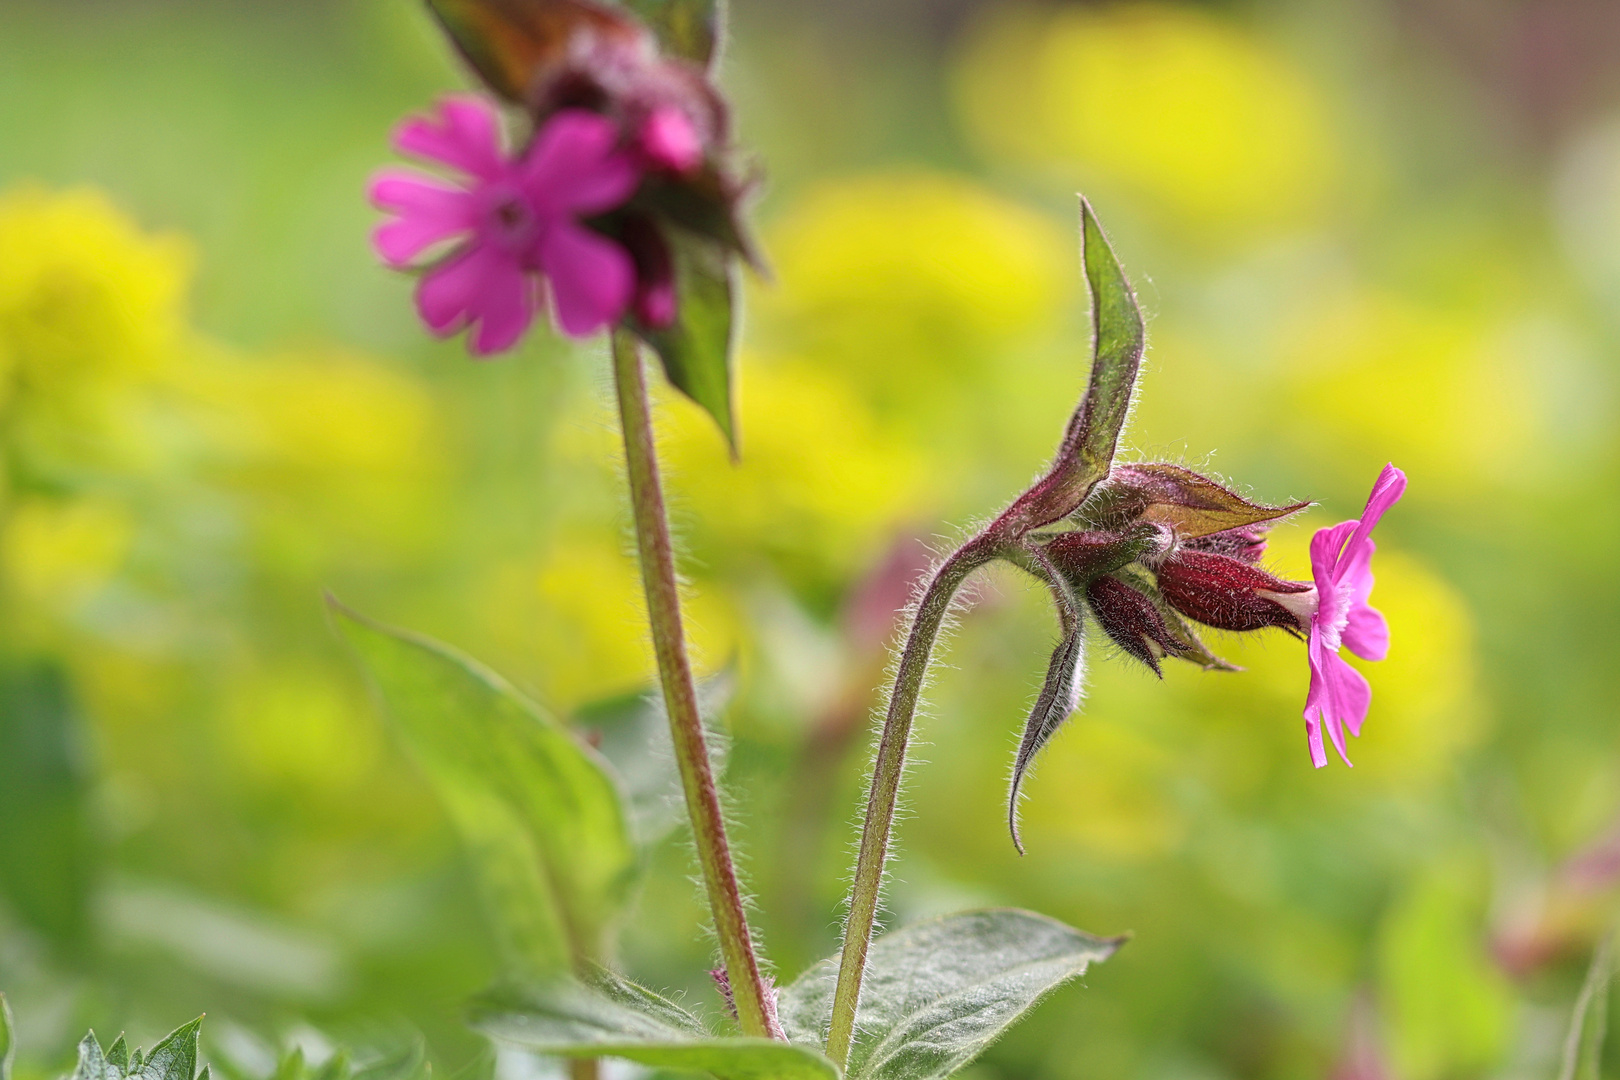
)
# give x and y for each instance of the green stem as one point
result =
(584, 1069)
(887, 772)
(680, 695)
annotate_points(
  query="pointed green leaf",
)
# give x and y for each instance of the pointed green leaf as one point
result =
(118, 1053)
(508, 42)
(1092, 435)
(687, 28)
(538, 809)
(93, 1064)
(937, 993)
(8, 1046)
(696, 350)
(1118, 338)
(612, 1017)
(175, 1058)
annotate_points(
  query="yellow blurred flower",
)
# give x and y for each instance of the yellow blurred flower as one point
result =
(910, 282)
(1106, 787)
(577, 619)
(1206, 122)
(59, 553)
(821, 488)
(89, 307)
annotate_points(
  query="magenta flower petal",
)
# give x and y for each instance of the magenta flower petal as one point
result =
(446, 294)
(1367, 633)
(670, 141)
(1341, 565)
(591, 277)
(429, 213)
(1386, 492)
(575, 165)
(502, 313)
(464, 136)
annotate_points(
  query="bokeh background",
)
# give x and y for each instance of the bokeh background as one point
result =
(1363, 231)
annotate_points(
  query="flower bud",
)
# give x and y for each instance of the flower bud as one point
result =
(1247, 544)
(1131, 620)
(1084, 554)
(1230, 594)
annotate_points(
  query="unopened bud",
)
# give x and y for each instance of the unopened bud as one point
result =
(1132, 620)
(1231, 594)
(1086, 553)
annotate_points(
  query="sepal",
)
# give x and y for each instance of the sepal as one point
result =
(1132, 621)
(1189, 504)
(1228, 593)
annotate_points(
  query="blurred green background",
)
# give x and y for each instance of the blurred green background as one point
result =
(1363, 231)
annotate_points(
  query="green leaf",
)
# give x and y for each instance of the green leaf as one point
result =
(612, 1017)
(538, 809)
(8, 1047)
(1118, 338)
(508, 42)
(175, 1058)
(1092, 435)
(687, 28)
(937, 993)
(696, 350)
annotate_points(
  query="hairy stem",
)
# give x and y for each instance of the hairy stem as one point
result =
(887, 772)
(584, 1069)
(680, 695)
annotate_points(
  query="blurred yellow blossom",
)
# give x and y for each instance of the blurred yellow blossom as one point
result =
(89, 307)
(912, 282)
(59, 552)
(1205, 121)
(821, 487)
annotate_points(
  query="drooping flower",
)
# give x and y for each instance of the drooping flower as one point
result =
(512, 221)
(1341, 564)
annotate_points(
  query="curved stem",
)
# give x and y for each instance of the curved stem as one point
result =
(754, 1011)
(887, 773)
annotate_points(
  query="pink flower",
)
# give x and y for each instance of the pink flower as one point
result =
(513, 221)
(1341, 563)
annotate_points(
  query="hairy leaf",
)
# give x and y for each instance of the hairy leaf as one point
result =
(1092, 435)
(696, 350)
(8, 1046)
(538, 809)
(611, 1017)
(688, 28)
(1059, 697)
(937, 993)
(1191, 504)
(175, 1058)
(508, 42)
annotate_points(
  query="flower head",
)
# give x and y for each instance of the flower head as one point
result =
(1341, 564)
(511, 223)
